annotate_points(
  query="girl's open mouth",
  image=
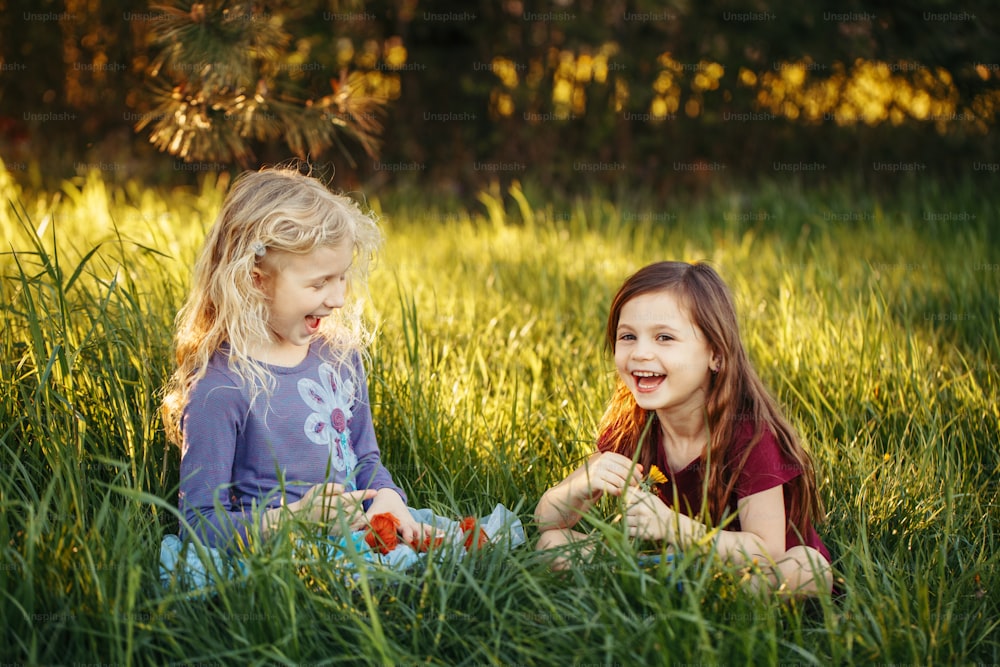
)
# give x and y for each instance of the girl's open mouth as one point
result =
(646, 381)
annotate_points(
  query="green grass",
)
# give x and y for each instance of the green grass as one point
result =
(873, 319)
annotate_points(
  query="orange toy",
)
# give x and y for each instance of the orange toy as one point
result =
(382, 534)
(473, 533)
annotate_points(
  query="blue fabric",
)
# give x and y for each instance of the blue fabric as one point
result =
(182, 562)
(650, 560)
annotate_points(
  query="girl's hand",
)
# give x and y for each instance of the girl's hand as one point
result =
(648, 518)
(609, 473)
(603, 473)
(410, 531)
(414, 533)
(330, 505)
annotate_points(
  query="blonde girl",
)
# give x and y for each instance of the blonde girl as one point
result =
(269, 401)
(689, 400)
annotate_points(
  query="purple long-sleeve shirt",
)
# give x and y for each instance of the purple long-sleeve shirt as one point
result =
(315, 428)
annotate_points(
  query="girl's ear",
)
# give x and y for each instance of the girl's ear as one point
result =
(258, 276)
(716, 363)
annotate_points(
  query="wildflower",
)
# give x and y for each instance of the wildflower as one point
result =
(654, 477)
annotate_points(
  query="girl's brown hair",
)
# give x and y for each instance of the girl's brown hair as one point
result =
(735, 393)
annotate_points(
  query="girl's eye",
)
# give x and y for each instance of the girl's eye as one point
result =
(664, 337)
(626, 336)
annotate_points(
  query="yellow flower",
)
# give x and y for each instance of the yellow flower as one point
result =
(655, 476)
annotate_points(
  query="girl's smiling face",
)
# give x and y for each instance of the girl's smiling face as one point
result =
(661, 356)
(301, 290)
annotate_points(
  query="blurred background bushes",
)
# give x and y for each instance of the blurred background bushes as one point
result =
(449, 96)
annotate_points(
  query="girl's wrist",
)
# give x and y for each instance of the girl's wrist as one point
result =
(387, 500)
(689, 531)
(581, 494)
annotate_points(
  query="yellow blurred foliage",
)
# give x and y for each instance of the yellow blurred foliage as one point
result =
(867, 92)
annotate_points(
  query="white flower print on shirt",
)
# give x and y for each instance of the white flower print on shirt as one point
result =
(331, 399)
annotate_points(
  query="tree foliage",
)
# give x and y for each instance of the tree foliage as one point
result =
(456, 90)
(228, 73)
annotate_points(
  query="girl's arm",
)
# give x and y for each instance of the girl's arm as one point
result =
(213, 416)
(762, 527)
(761, 534)
(604, 472)
(760, 539)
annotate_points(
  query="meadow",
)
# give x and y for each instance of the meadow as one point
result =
(874, 318)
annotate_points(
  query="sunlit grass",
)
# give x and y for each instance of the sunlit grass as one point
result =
(874, 322)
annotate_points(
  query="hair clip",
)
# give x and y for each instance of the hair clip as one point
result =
(259, 248)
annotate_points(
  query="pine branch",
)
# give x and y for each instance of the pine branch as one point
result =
(222, 79)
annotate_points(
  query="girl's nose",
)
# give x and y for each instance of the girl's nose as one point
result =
(335, 295)
(641, 350)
